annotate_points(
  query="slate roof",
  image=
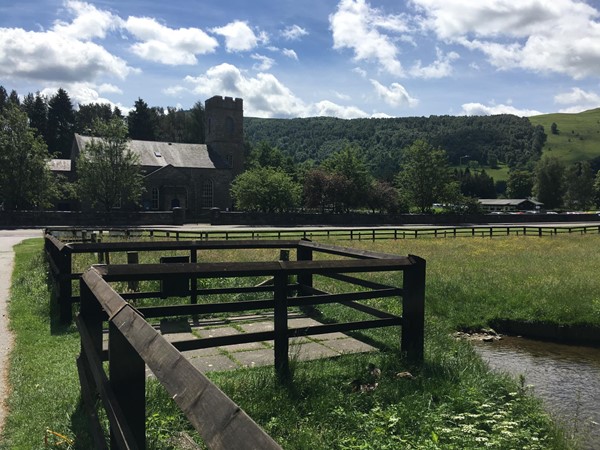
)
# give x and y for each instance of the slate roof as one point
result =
(507, 201)
(161, 154)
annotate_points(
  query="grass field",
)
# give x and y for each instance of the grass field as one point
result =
(578, 138)
(450, 402)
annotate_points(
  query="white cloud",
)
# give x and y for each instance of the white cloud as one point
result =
(360, 72)
(54, 57)
(395, 95)
(264, 95)
(89, 22)
(290, 53)
(479, 109)
(441, 67)
(357, 26)
(578, 99)
(167, 45)
(560, 36)
(239, 36)
(106, 88)
(330, 109)
(294, 33)
(264, 62)
(82, 93)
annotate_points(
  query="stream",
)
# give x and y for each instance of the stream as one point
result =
(565, 377)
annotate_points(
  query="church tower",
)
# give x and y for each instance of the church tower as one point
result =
(225, 130)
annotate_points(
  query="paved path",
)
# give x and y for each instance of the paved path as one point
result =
(8, 238)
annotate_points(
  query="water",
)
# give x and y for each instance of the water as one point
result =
(565, 377)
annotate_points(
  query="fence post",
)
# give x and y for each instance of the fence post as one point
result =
(282, 367)
(65, 290)
(194, 280)
(413, 310)
(133, 258)
(127, 372)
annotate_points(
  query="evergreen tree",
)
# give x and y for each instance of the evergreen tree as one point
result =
(3, 98)
(61, 124)
(142, 122)
(25, 178)
(38, 115)
(549, 182)
(13, 98)
(87, 116)
(108, 170)
(195, 132)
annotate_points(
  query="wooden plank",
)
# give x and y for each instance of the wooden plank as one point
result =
(320, 299)
(220, 422)
(89, 402)
(344, 251)
(222, 341)
(179, 245)
(121, 432)
(124, 272)
(344, 327)
(358, 281)
(205, 308)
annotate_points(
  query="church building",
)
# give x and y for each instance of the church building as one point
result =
(194, 177)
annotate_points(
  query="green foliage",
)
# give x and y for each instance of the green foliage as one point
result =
(507, 138)
(425, 176)
(348, 165)
(25, 178)
(264, 155)
(108, 170)
(520, 184)
(142, 121)
(265, 189)
(61, 124)
(477, 183)
(579, 186)
(549, 182)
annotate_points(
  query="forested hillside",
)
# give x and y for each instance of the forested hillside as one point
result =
(486, 139)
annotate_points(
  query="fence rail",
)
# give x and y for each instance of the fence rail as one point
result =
(354, 233)
(134, 343)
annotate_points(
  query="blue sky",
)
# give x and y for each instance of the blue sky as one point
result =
(343, 58)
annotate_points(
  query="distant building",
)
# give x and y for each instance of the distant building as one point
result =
(509, 204)
(194, 177)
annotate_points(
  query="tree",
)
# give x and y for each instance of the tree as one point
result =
(194, 126)
(548, 184)
(579, 186)
(519, 184)
(554, 128)
(325, 190)
(350, 165)
(264, 155)
(61, 123)
(597, 189)
(383, 197)
(25, 177)
(108, 171)
(265, 189)
(3, 98)
(424, 176)
(88, 114)
(143, 122)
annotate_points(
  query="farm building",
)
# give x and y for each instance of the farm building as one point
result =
(509, 204)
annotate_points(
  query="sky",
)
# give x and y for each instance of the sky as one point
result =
(304, 58)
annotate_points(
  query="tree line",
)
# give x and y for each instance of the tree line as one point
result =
(55, 120)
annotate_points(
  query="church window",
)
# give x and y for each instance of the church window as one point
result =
(207, 194)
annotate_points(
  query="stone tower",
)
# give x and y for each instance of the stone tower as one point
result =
(225, 130)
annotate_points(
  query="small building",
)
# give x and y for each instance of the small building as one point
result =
(195, 177)
(509, 204)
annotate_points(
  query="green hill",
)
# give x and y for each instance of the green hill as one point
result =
(578, 135)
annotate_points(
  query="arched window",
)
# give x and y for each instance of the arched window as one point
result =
(207, 194)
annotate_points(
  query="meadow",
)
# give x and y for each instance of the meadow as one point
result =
(451, 401)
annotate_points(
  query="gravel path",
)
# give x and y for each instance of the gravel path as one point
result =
(8, 239)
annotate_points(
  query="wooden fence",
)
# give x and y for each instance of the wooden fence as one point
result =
(134, 343)
(354, 233)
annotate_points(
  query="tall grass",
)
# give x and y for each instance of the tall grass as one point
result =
(451, 401)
